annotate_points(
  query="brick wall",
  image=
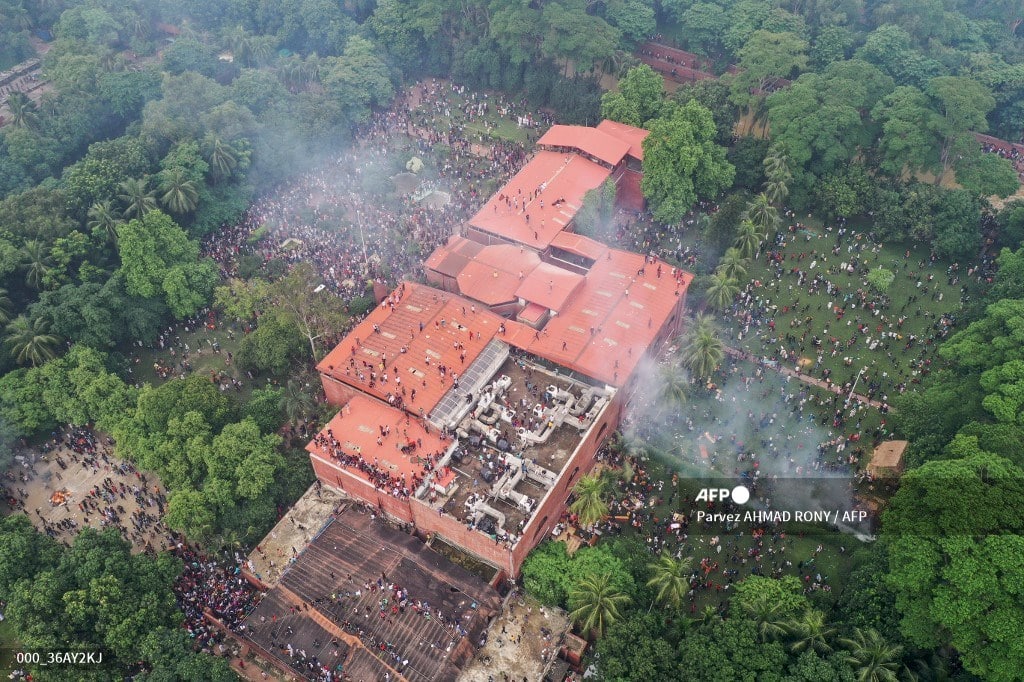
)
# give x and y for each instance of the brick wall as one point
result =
(341, 478)
(337, 392)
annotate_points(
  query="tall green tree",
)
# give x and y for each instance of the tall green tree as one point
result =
(138, 198)
(30, 341)
(682, 162)
(721, 291)
(595, 604)
(871, 657)
(23, 110)
(671, 578)
(638, 99)
(180, 194)
(952, 558)
(590, 505)
(158, 259)
(702, 350)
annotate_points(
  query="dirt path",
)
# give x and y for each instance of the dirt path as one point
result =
(790, 372)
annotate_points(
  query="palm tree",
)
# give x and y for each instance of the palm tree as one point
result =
(180, 193)
(19, 17)
(671, 577)
(296, 401)
(239, 42)
(748, 238)
(733, 265)
(811, 632)
(36, 261)
(721, 291)
(222, 159)
(23, 110)
(761, 212)
(101, 217)
(703, 351)
(709, 615)
(5, 306)
(595, 604)
(767, 615)
(30, 341)
(138, 198)
(776, 190)
(589, 505)
(675, 385)
(871, 657)
(776, 164)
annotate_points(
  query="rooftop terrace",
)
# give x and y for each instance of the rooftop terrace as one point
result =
(515, 437)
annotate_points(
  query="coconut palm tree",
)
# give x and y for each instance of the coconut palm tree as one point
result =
(761, 212)
(733, 265)
(102, 217)
(138, 198)
(589, 504)
(675, 386)
(767, 616)
(23, 110)
(240, 43)
(776, 190)
(811, 632)
(180, 193)
(872, 658)
(36, 261)
(709, 615)
(721, 291)
(748, 239)
(776, 164)
(296, 401)
(671, 578)
(30, 341)
(702, 351)
(18, 16)
(222, 159)
(5, 306)
(595, 604)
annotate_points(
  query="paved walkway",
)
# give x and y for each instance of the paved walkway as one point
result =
(789, 371)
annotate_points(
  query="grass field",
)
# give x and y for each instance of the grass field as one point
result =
(794, 310)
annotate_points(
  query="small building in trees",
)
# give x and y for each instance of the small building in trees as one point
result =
(887, 459)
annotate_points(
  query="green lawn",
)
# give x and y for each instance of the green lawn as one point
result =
(201, 357)
(795, 311)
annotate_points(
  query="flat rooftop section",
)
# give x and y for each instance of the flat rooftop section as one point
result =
(549, 286)
(634, 137)
(589, 141)
(480, 459)
(451, 258)
(412, 333)
(559, 180)
(446, 607)
(612, 320)
(354, 441)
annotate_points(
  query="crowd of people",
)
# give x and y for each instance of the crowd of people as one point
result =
(323, 216)
(211, 587)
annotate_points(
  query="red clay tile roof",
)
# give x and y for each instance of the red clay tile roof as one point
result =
(624, 325)
(634, 137)
(357, 427)
(549, 286)
(487, 284)
(588, 140)
(563, 176)
(450, 258)
(579, 245)
(426, 349)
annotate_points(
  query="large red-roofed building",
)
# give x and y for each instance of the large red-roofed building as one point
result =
(470, 407)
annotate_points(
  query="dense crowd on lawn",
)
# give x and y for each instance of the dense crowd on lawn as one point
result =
(323, 217)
